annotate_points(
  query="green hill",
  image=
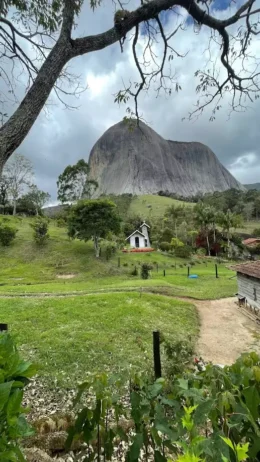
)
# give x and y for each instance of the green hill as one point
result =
(253, 186)
(151, 206)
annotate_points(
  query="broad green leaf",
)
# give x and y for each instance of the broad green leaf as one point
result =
(242, 451)
(228, 442)
(252, 399)
(136, 447)
(256, 370)
(158, 457)
(5, 389)
(14, 403)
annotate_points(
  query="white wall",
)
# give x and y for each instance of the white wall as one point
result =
(145, 232)
(141, 241)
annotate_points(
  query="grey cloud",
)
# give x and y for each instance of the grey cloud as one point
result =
(63, 137)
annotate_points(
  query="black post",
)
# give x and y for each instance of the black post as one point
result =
(156, 354)
(118, 262)
(188, 270)
(216, 268)
(3, 327)
(164, 272)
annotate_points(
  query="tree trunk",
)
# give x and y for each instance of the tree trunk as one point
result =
(18, 126)
(207, 236)
(96, 245)
(14, 207)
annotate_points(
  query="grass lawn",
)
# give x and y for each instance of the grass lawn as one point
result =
(26, 268)
(152, 206)
(70, 336)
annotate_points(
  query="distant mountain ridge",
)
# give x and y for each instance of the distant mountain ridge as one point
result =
(139, 161)
(253, 186)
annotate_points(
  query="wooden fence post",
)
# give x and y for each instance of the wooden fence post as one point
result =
(188, 271)
(3, 327)
(164, 272)
(216, 269)
(156, 354)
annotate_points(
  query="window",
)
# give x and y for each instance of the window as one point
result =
(145, 242)
(137, 241)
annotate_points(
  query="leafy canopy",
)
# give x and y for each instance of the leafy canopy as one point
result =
(73, 184)
(90, 218)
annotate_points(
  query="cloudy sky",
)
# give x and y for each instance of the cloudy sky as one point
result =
(61, 137)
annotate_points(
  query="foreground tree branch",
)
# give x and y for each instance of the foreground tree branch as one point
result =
(43, 80)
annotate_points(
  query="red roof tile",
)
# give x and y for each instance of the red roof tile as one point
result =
(251, 240)
(251, 268)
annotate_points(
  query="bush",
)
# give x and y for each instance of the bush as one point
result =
(145, 269)
(134, 272)
(256, 232)
(201, 252)
(40, 227)
(7, 234)
(165, 246)
(183, 252)
(178, 356)
(61, 223)
(14, 373)
(210, 415)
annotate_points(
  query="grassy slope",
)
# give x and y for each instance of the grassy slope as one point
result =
(27, 269)
(96, 332)
(151, 206)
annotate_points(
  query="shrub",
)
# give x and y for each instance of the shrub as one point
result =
(211, 415)
(61, 223)
(256, 232)
(134, 272)
(183, 252)
(145, 269)
(40, 227)
(7, 234)
(201, 252)
(14, 374)
(125, 264)
(165, 246)
(178, 356)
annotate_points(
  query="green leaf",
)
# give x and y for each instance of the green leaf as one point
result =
(228, 442)
(242, 451)
(14, 403)
(158, 457)
(252, 400)
(5, 389)
(136, 447)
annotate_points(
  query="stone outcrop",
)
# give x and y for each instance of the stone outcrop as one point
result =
(139, 161)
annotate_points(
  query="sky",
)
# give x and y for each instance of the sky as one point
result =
(60, 137)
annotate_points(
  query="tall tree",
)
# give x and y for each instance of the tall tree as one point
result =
(19, 171)
(173, 213)
(35, 199)
(229, 221)
(4, 187)
(204, 219)
(74, 183)
(93, 219)
(46, 26)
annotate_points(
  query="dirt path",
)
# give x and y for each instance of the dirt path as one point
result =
(225, 332)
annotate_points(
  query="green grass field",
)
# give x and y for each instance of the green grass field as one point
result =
(61, 299)
(71, 336)
(151, 206)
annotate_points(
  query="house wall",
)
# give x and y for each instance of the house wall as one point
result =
(249, 288)
(141, 241)
(145, 232)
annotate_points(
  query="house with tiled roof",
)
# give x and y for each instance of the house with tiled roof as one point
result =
(248, 280)
(252, 241)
